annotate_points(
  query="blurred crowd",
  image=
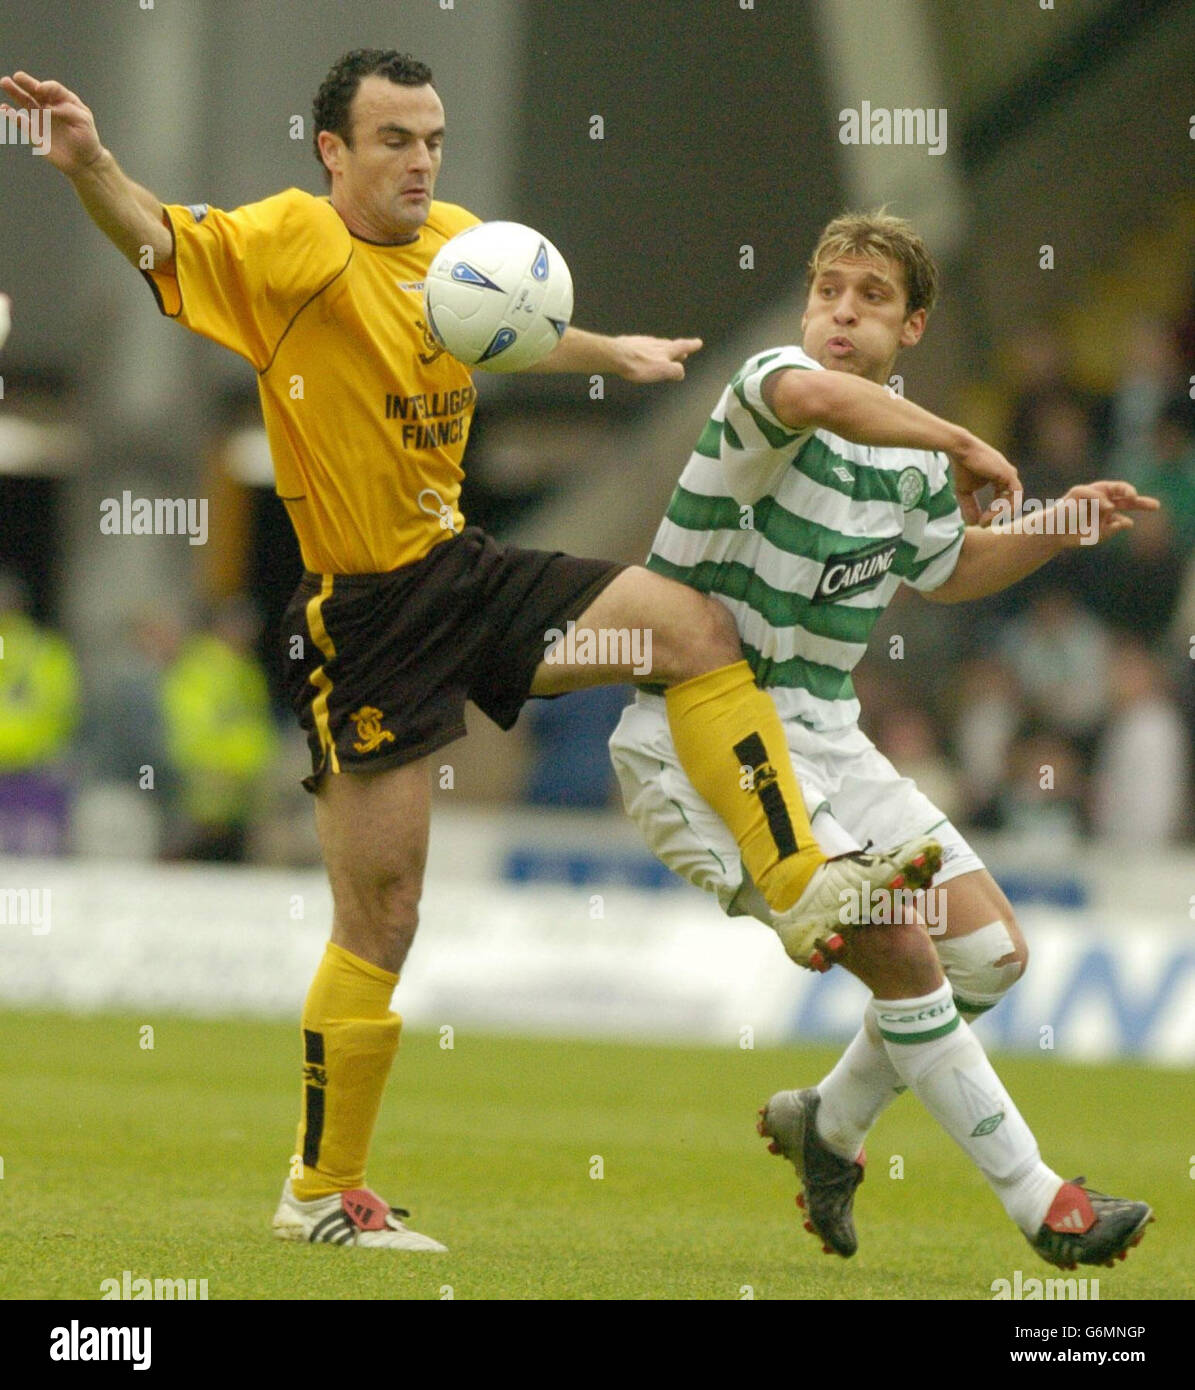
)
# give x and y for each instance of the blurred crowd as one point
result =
(1063, 707)
(1067, 704)
(168, 752)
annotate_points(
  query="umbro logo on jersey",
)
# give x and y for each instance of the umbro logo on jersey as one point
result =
(852, 573)
(415, 286)
(841, 474)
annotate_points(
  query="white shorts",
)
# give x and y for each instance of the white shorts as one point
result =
(852, 791)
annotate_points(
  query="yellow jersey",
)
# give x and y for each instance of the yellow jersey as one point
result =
(365, 412)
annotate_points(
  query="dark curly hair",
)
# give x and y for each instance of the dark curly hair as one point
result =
(331, 109)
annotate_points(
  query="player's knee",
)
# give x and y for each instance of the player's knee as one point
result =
(395, 903)
(375, 917)
(384, 906)
(711, 639)
(896, 962)
(983, 965)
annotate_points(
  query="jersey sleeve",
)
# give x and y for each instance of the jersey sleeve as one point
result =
(240, 277)
(941, 539)
(755, 445)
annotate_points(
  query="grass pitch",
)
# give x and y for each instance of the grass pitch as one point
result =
(167, 1163)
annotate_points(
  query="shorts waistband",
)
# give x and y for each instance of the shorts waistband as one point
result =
(352, 582)
(355, 583)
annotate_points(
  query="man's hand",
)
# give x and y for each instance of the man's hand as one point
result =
(73, 142)
(975, 465)
(994, 557)
(644, 360)
(1113, 499)
(638, 359)
(128, 215)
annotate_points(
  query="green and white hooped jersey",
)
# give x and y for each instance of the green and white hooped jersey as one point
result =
(805, 538)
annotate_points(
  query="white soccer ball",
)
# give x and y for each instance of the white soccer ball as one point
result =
(499, 296)
(5, 317)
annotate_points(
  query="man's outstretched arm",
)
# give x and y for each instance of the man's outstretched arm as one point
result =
(128, 215)
(995, 557)
(865, 413)
(636, 358)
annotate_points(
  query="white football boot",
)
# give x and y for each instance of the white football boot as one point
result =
(359, 1217)
(812, 928)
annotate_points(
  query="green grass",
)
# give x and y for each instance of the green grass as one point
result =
(167, 1163)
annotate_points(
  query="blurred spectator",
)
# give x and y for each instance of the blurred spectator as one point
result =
(1051, 423)
(990, 710)
(1059, 654)
(126, 729)
(1141, 779)
(1043, 796)
(1064, 448)
(121, 811)
(39, 707)
(908, 737)
(220, 735)
(909, 631)
(1152, 376)
(1040, 373)
(1055, 444)
(1163, 466)
(1134, 580)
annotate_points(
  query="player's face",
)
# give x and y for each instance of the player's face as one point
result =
(383, 185)
(856, 319)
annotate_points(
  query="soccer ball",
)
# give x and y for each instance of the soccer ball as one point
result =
(498, 296)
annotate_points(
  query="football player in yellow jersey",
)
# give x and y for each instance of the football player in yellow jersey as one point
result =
(404, 611)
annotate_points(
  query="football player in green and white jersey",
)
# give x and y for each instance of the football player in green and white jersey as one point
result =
(812, 494)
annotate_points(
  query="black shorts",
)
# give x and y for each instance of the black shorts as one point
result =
(387, 661)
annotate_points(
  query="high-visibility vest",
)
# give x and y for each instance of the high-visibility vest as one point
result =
(39, 694)
(220, 734)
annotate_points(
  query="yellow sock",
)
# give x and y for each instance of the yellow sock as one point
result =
(349, 1041)
(723, 724)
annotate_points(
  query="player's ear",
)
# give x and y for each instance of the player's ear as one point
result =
(912, 328)
(330, 148)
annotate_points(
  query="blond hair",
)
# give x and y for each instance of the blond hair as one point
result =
(877, 236)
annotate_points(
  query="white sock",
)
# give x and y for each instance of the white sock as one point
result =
(942, 1061)
(861, 1086)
